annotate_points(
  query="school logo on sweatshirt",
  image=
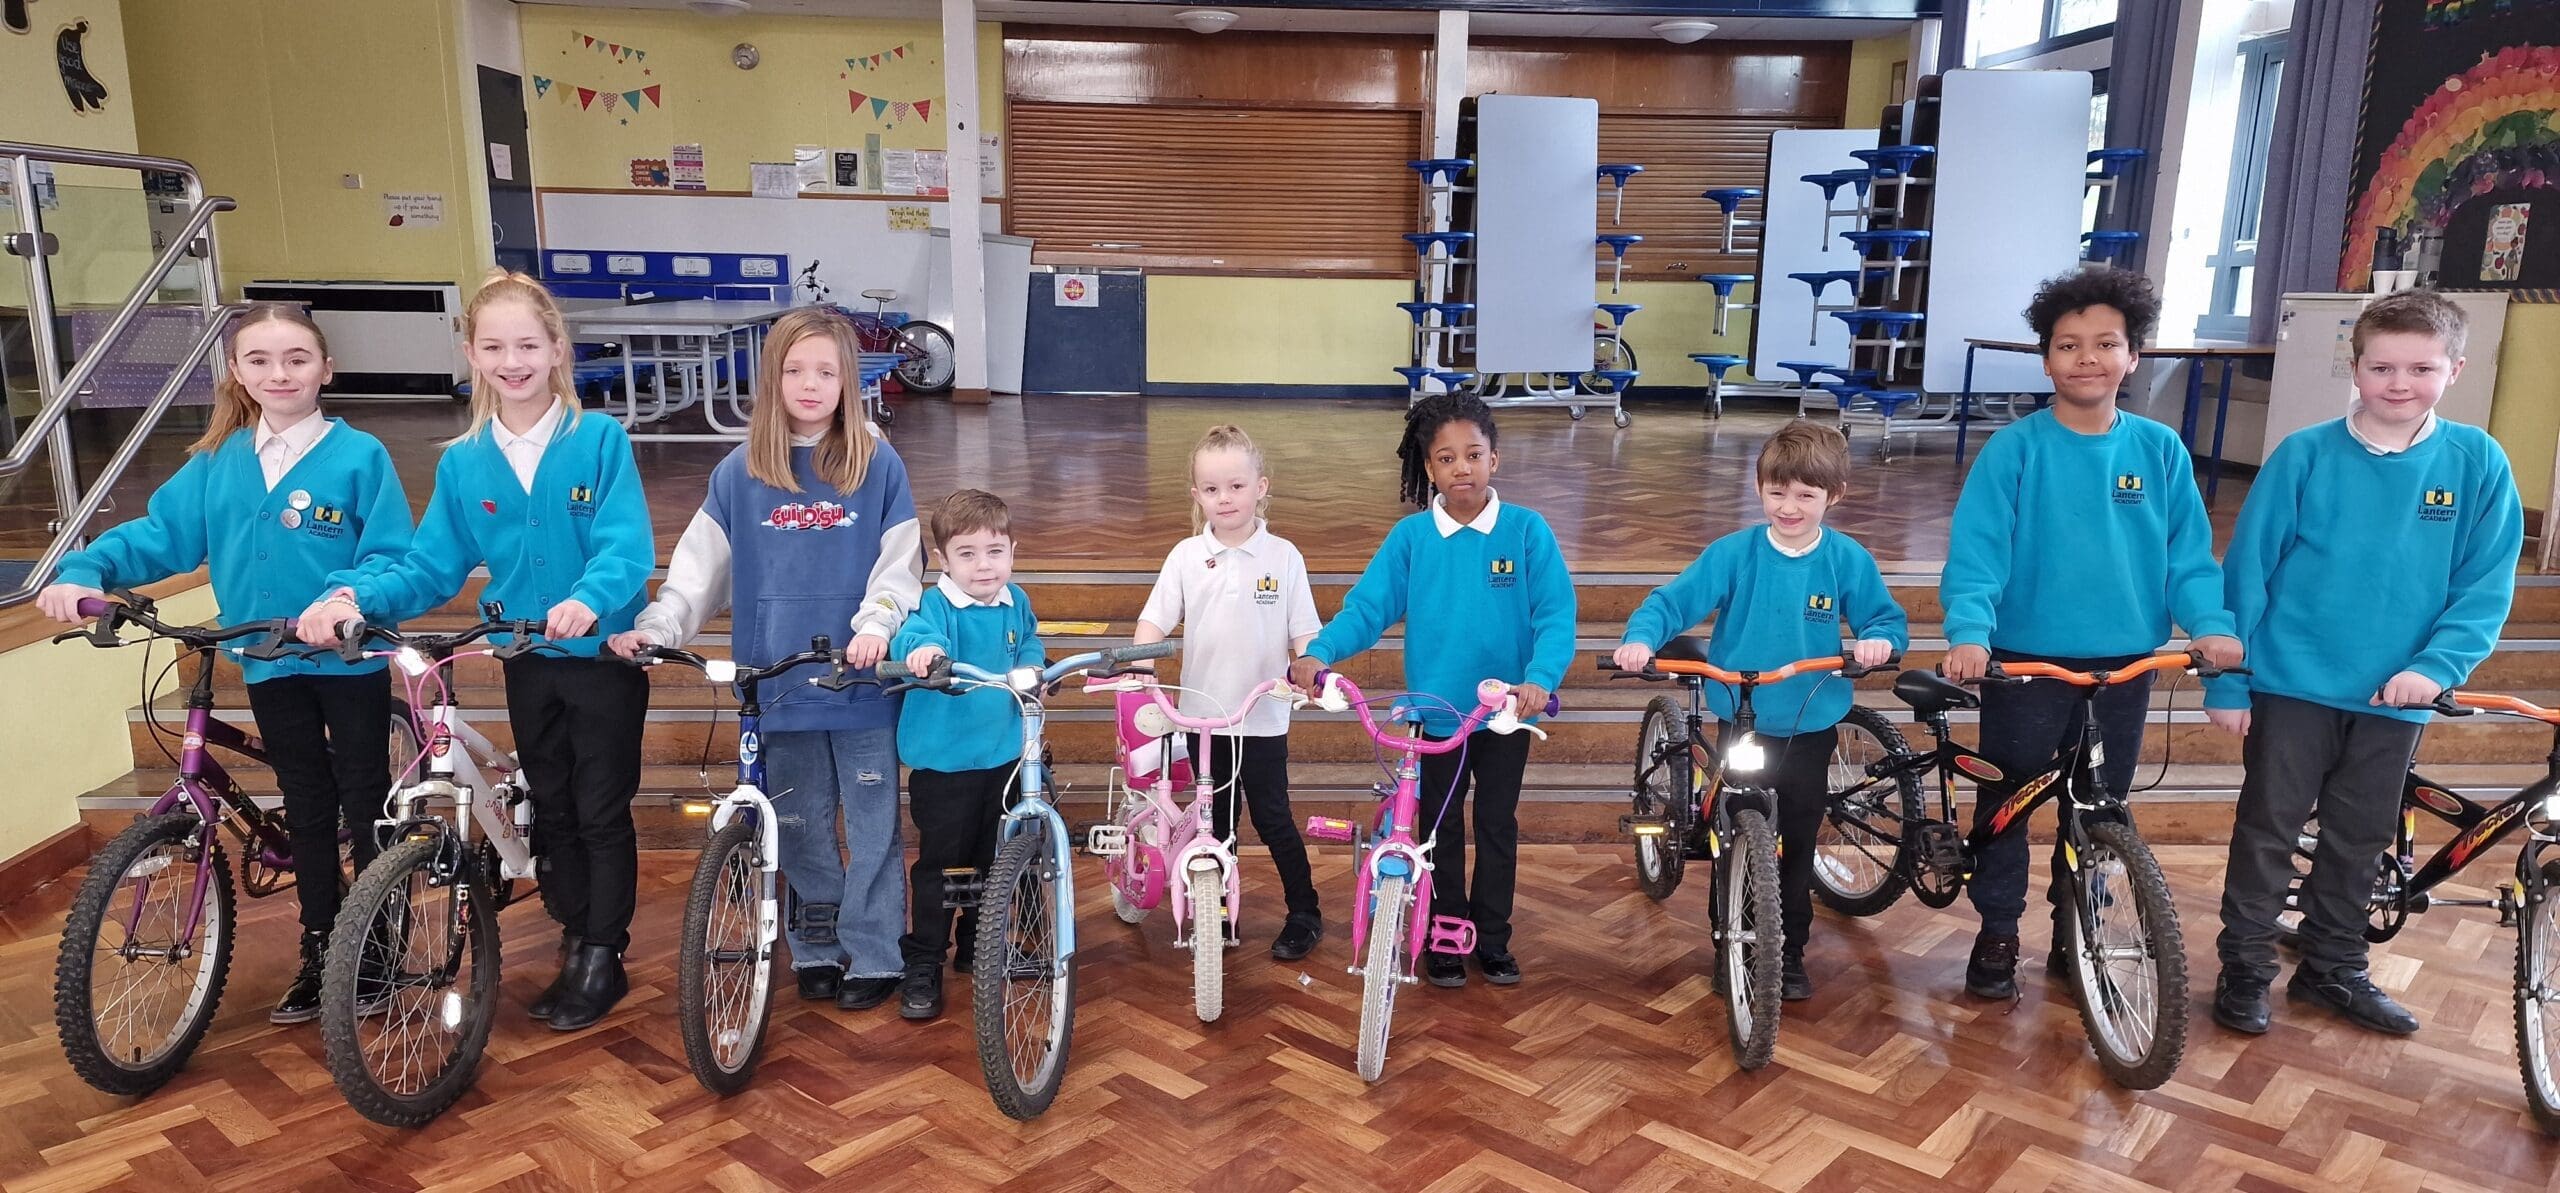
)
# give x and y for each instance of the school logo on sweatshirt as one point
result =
(2129, 489)
(582, 501)
(1821, 607)
(1266, 591)
(326, 521)
(1504, 574)
(810, 515)
(2438, 506)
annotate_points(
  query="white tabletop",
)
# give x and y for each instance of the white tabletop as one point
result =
(699, 314)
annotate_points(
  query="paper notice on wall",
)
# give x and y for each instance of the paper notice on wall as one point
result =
(774, 180)
(933, 172)
(2502, 252)
(649, 173)
(907, 218)
(898, 171)
(684, 167)
(990, 165)
(848, 170)
(502, 161)
(1078, 289)
(810, 164)
(412, 209)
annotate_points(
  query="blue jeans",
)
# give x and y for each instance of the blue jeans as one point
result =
(843, 910)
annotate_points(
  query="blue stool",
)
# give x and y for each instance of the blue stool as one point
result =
(1821, 281)
(1620, 174)
(1609, 383)
(2110, 163)
(1848, 376)
(1619, 243)
(1716, 363)
(1450, 379)
(1446, 242)
(1417, 310)
(1888, 403)
(1891, 161)
(2107, 245)
(1618, 311)
(1413, 375)
(1452, 312)
(1888, 251)
(1805, 371)
(1446, 169)
(1728, 199)
(1831, 184)
(1724, 284)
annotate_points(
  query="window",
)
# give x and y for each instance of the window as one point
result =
(2004, 31)
(2234, 261)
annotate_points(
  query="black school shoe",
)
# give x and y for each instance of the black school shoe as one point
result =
(862, 994)
(819, 982)
(1794, 984)
(920, 994)
(549, 1000)
(1499, 968)
(2240, 1003)
(596, 982)
(301, 1003)
(1297, 938)
(2351, 993)
(1992, 971)
(1445, 970)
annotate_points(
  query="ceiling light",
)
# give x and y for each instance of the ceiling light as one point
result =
(717, 8)
(1205, 20)
(1681, 33)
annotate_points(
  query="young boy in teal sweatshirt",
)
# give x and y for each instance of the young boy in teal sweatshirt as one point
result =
(2079, 538)
(1780, 593)
(1483, 593)
(2371, 570)
(960, 747)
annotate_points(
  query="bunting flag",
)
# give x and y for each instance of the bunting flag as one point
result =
(610, 99)
(896, 111)
(631, 99)
(618, 51)
(876, 61)
(541, 86)
(586, 97)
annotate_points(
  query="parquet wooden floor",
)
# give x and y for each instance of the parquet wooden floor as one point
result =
(1607, 1069)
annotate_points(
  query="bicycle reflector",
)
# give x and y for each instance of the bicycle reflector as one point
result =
(1747, 754)
(695, 805)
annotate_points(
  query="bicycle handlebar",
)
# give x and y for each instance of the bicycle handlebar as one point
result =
(1493, 705)
(2462, 704)
(2020, 672)
(354, 633)
(1173, 712)
(945, 670)
(1660, 669)
(745, 679)
(112, 615)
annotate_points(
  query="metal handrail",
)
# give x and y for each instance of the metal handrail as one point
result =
(58, 389)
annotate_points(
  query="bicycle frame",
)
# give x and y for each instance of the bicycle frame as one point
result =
(451, 755)
(1193, 826)
(2477, 828)
(208, 791)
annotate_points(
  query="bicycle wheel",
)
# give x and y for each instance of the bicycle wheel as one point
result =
(1024, 993)
(133, 990)
(2538, 990)
(1754, 938)
(1608, 352)
(1662, 793)
(1208, 941)
(931, 357)
(1861, 850)
(2132, 979)
(411, 984)
(724, 967)
(1381, 971)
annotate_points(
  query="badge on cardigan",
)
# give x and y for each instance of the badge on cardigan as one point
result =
(292, 519)
(299, 499)
(488, 505)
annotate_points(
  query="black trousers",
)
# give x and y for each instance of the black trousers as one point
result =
(328, 739)
(2306, 759)
(956, 815)
(1803, 769)
(578, 724)
(2022, 726)
(1493, 763)
(1264, 788)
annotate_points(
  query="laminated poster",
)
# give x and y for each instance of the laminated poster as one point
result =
(2502, 253)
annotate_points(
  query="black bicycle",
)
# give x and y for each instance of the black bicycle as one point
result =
(2128, 959)
(1708, 796)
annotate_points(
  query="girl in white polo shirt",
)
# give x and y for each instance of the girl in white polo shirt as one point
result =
(1241, 596)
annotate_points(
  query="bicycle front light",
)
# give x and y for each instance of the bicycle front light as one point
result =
(2551, 808)
(1746, 755)
(412, 662)
(720, 671)
(1023, 679)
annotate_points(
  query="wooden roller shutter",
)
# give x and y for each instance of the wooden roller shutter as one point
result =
(1682, 156)
(1213, 187)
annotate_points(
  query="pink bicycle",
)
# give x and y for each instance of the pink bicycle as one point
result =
(1150, 844)
(1391, 920)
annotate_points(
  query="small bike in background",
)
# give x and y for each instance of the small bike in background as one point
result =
(146, 947)
(1150, 843)
(1391, 920)
(1023, 980)
(733, 917)
(928, 348)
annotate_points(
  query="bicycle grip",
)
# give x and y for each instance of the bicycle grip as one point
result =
(893, 670)
(95, 606)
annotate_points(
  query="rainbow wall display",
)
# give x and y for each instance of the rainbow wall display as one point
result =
(2461, 137)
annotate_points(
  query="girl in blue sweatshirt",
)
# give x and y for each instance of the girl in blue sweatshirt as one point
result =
(1780, 593)
(275, 497)
(2371, 570)
(809, 531)
(1483, 593)
(2078, 540)
(551, 502)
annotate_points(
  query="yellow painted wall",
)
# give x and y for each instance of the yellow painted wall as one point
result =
(1679, 318)
(275, 100)
(796, 95)
(2523, 414)
(62, 724)
(1871, 77)
(106, 242)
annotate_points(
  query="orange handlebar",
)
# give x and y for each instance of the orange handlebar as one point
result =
(2125, 674)
(2495, 702)
(1720, 675)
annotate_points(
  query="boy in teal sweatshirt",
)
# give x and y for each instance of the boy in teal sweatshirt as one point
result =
(1780, 593)
(2079, 538)
(961, 747)
(1483, 593)
(2371, 570)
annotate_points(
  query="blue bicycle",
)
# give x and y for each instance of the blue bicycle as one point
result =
(1023, 979)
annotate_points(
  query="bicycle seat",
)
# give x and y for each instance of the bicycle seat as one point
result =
(1929, 693)
(881, 295)
(1687, 648)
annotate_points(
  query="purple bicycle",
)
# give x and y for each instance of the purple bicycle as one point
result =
(148, 943)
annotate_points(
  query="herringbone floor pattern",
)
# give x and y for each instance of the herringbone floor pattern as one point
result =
(1606, 1069)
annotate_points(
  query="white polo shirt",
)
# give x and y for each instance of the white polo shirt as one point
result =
(1239, 608)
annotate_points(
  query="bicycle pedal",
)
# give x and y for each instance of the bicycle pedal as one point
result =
(1449, 934)
(1940, 846)
(1106, 840)
(1330, 828)
(962, 887)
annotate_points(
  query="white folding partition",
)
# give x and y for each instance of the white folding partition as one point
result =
(1536, 208)
(1794, 241)
(2012, 166)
